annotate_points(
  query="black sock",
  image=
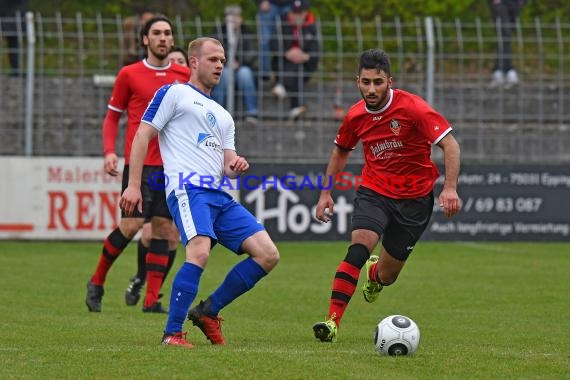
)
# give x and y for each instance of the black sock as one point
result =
(171, 258)
(141, 260)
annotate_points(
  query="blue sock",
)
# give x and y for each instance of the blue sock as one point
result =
(243, 276)
(184, 289)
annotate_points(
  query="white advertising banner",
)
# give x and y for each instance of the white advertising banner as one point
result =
(57, 198)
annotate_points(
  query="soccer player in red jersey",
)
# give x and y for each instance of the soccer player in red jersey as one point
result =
(395, 200)
(134, 88)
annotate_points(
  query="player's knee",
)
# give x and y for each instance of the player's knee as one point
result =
(130, 227)
(173, 243)
(173, 237)
(268, 256)
(161, 227)
(198, 257)
(273, 256)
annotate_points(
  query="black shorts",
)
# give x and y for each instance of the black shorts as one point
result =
(399, 222)
(154, 198)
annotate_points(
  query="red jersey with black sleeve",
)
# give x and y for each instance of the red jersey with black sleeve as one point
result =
(397, 142)
(134, 88)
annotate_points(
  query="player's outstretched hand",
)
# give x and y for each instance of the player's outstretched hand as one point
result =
(449, 201)
(130, 199)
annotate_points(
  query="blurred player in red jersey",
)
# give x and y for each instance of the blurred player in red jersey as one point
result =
(133, 90)
(395, 200)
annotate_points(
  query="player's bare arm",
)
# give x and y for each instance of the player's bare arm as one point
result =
(234, 165)
(449, 199)
(132, 197)
(336, 164)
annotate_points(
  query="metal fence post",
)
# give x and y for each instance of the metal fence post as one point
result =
(430, 60)
(30, 83)
(229, 69)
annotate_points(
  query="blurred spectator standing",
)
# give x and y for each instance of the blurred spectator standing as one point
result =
(132, 25)
(9, 29)
(296, 55)
(268, 12)
(505, 14)
(243, 63)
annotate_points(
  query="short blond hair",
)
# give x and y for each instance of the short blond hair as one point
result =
(195, 46)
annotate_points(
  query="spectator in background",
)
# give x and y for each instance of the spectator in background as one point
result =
(244, 63)
(505, 14)
(178, 55)
(268, 11)
(132, 27)
(10, 28)
(296, 55)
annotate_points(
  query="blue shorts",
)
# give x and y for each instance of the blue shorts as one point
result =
(213, 213)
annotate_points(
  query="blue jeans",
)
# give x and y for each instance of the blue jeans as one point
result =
(245, 83)
(267, 29)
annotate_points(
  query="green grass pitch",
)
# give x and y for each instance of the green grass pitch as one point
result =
(485, 311)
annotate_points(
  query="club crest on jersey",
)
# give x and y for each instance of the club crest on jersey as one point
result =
(395, 127)
(211, 119)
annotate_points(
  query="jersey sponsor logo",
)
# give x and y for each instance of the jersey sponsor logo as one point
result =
(203, 136)
(395, 127)
(376, 118)
(380, 147)
(209, 141)
(211, 119)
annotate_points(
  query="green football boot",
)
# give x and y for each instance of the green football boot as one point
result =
(371, 289)
(326, 331)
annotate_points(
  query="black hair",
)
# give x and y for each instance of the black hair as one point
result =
(146, 27)
(184, 53)
(374, 59)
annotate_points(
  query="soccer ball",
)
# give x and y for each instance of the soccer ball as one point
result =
(397, 335)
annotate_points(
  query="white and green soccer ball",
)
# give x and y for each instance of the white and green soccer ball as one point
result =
(397, 335)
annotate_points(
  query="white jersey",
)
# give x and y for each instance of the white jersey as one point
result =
(194, 130)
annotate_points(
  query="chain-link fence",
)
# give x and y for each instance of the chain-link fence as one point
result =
(66, 67)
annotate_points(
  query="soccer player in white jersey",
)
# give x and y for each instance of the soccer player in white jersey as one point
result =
(196, 138)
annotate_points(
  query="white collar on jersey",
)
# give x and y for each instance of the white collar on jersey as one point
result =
(152, 67)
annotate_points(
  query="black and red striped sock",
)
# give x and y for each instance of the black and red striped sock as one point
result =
(113, 246)
(141, 260)
(171, 259)
(156, 264)
(346, 279)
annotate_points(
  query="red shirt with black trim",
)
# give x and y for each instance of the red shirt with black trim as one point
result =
(397, 142)
(134, 88)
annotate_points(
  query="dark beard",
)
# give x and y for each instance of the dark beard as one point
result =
(158, 55)
(373, 108)
(381, 104)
